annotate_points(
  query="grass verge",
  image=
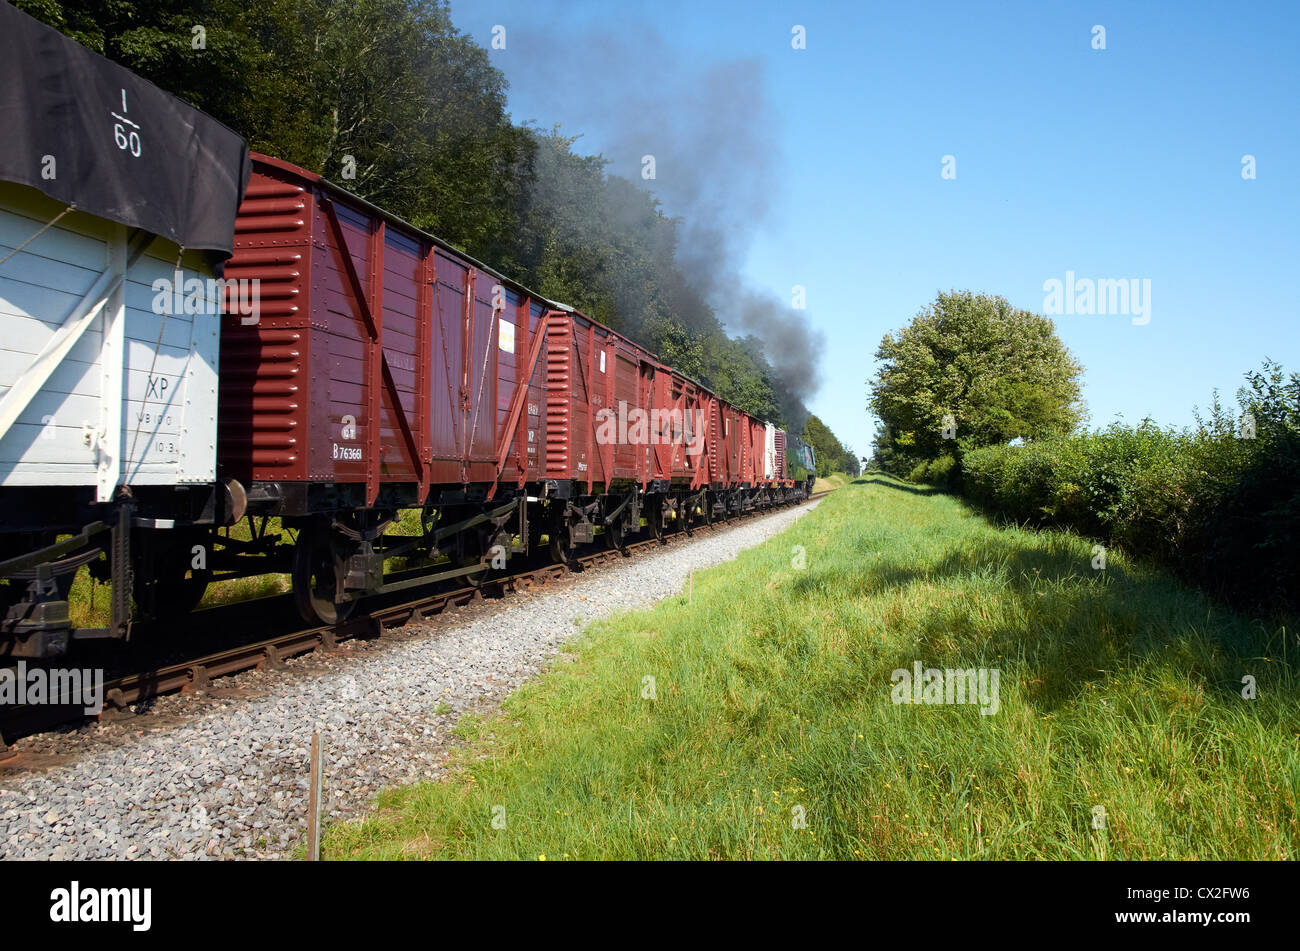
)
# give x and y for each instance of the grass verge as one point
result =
(1119, 688)
(836, 480)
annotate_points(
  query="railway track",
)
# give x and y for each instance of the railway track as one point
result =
(197, 673)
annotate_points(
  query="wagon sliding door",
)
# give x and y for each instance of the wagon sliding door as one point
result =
(366, 318)
(626, 393)
(449, 390)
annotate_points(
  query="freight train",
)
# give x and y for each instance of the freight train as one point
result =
(215, 364)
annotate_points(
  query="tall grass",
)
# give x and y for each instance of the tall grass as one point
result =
(1119, 688)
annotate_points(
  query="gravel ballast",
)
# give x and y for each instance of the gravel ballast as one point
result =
(223, 774)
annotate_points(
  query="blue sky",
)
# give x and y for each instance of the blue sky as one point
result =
(1114, 164)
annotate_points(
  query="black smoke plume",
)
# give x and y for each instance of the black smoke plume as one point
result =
(714, 137)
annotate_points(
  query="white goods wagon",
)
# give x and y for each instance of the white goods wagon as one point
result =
(117, 211)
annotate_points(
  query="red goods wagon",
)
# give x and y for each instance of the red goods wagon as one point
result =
(382, 363)
(687, 414)
(383, 370)
(741, 427)
(728, 431)
(624, 433)
(599, 390)
(746, 449)
(738, 440)
(717, 447)
(740, 435)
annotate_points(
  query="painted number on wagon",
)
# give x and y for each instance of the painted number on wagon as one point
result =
(125, 132)
(347, 453)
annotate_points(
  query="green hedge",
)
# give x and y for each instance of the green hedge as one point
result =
(1218, 505)
(941, 472)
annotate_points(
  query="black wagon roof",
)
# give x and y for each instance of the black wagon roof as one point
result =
(92, 134)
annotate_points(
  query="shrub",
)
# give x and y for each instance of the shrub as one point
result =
(1220, 506)
(941, 472)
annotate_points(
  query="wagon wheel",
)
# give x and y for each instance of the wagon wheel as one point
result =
(178, 589)
(319, 562)
(688, 515)
(655, 518)
(726, 509)
(616, 536)
(562, 551)
(470, 545)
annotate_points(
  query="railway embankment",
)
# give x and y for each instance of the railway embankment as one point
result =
(891, 677)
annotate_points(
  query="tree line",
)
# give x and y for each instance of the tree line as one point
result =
(388, 99)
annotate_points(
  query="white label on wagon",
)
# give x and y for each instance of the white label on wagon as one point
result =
(506, 335)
